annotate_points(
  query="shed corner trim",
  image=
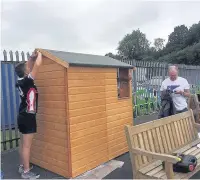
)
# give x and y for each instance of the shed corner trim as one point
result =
(54, 58)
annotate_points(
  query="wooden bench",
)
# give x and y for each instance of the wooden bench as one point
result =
(194, 104)
(154, 142)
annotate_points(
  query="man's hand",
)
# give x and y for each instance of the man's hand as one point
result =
(185, 93)
(179, 92)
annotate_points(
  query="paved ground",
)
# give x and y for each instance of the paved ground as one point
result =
(9, 160)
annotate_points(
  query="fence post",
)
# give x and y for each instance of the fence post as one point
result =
(23, 57)
(11, 55)
(17, 56)
(28, 55)
(5, 55)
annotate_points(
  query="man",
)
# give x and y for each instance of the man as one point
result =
(180, 88)
(26, 72)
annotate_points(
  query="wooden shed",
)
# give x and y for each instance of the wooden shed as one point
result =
(84, 103)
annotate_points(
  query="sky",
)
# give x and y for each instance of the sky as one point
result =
(88, 26)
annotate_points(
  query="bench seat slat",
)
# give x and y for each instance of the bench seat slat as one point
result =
(156, 170)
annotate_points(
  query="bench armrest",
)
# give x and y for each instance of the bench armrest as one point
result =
(158, 156)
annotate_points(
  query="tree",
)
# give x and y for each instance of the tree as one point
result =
(134, 45)
(159, 44)
(193, 34)
(113, 56)
(177, 38)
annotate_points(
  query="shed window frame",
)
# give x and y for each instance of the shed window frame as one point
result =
(123, 83)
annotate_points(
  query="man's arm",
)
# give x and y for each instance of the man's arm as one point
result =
(37, 64)
(186, 92)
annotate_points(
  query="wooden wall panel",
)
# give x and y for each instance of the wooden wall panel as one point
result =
(119, 112)
(88, 121)
(97, 117)
(50, 146)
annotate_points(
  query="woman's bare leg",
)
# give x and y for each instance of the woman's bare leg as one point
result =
(27, 142)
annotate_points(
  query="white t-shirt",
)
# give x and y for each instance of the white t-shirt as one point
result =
(180, 84)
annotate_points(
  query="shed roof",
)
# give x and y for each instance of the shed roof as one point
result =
(78, 59)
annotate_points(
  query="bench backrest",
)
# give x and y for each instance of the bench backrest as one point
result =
(162, 136)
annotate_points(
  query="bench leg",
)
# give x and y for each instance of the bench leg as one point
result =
(169, 170)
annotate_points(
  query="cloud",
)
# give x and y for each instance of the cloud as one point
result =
(90, 26)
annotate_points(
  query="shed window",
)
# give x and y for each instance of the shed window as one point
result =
(123, 83)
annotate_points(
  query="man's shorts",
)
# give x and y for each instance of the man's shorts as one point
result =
(27, 123)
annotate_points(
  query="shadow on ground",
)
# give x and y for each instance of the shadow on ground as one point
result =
(9, 161)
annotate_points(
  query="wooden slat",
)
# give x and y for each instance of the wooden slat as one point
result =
(47, 61)
(50, 68)
(49, 82)
(119, 110)
(48, 132)
(50, 153)
(163, 139)
(160, 143)
(93, 102)
(195, 152)
(120, 116)
(186, 130)
(110, 81)
(174, 135)
(84, 132)
(52, 90)
(52, 125)
(180, 132)
(52, 104)
(54, 97)
(117, 105)
(89, 145)
(50, 75)
(141, 143)
(151, 143)
(123, 121)
(160, 122)
(166, 134)
(146, 143)
(155, 140)
(86, 76)
(110, 94)
(88, 124)
(91, 70)
(177, 134)
(183, 132)
(150, 167)
(85, 97)
(52, 111)
(86, 90)
(86, 153)
(49, 160)
(154, 171)
(55, 148)
(171, 136)
(193, 130)
(51, 118)
(190, 150)
(82, 83)
(88, 117)
(52, 140)
(85, 111)
(50, 167)
(139, 157)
